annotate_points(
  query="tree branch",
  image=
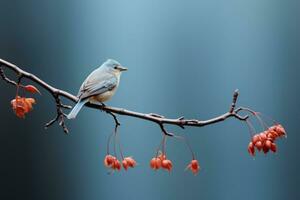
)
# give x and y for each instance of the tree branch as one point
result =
(156, 118)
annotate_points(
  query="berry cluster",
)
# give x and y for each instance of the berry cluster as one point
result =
(22, 105)
(161, 161)
(128, 162)
(113, 163)
(266, 140)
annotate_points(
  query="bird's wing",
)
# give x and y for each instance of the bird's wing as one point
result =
(99, 85)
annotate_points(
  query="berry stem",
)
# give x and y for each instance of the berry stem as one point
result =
(251, 128)
(158, 148)
(185, 139)
(108, 143)
(262, 123)
(115, 148)
(268, 117)
(118, 141)
(164, 145)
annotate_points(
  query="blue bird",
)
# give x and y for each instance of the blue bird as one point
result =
(99, 86)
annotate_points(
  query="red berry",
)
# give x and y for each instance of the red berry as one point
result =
(116, 165)
(274, 134)
(273, 147)
(280, 130)
(268, 144)
(251, 149)
(155, 163)
(108, 160)
(167, 164)
(194, 166)
(265, 148)
(258, 145)
(263, 136)
(125, 164)
(255, 138)
(131, 162)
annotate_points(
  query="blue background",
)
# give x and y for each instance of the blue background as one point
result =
(184, 58)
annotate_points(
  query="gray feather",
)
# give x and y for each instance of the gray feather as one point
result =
(76, 109)
(98, 82)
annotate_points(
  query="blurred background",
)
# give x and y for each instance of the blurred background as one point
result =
(184, 58)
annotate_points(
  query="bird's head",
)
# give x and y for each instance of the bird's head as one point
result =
(114, 66)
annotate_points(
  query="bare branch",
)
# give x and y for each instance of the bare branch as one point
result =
(117, 123)
(60, 115)
(235, 96)
(7, 80)
(156, 118)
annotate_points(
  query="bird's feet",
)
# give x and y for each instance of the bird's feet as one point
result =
(102, 104)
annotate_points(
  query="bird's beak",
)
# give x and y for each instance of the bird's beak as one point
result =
(121, 68)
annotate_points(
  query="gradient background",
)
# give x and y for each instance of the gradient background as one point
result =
(184, 58)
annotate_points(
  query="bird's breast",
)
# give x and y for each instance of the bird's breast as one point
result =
(104, 96)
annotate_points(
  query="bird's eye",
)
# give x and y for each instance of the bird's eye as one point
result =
(116, 67)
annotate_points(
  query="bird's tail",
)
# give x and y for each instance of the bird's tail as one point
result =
(76, 109)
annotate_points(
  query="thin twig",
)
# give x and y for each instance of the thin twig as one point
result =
(235, 96)
(60, 115)
(7, 80)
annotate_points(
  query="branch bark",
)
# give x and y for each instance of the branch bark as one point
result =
(156, 118)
